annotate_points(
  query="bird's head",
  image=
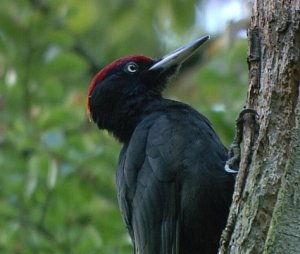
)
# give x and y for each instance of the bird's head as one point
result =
(131, 80)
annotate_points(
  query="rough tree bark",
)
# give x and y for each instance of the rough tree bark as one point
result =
(265, 214)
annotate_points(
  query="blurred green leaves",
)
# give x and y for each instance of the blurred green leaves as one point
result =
(57, 191)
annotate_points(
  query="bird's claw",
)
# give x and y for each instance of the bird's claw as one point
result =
(234, 153)
(240, 119)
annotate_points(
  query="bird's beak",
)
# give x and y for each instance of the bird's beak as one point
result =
(179, 55)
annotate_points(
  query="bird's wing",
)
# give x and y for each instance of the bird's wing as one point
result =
(122, 190)
(149, 195)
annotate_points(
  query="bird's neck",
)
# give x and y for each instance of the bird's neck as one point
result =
(122, 117)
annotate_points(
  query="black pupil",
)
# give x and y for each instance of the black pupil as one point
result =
(132, 67)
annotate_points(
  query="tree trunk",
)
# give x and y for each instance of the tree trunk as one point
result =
(265, 214)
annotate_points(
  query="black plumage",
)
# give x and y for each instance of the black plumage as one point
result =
(172, 189)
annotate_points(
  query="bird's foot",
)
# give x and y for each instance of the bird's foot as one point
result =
(234, 153)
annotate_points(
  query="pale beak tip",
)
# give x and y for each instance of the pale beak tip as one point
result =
(177, 56)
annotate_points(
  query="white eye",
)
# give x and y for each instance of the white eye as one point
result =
(131, 67)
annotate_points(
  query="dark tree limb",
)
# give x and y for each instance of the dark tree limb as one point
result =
(274, 83)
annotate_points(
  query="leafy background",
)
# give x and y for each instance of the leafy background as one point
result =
(57, 191)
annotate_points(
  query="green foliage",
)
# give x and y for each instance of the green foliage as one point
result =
(57, 191)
